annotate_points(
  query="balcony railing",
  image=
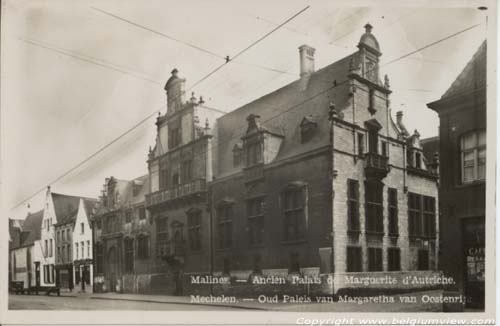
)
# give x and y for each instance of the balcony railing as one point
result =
(376, 165)
(177, 192)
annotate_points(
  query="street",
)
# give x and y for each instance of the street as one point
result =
(43, 302)
(115, 301)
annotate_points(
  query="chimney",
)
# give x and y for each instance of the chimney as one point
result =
(306, 59)
(399, 122)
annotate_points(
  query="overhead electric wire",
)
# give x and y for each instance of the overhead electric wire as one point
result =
(199, 48)
(85, 58)
(157, 111)
(271, 118)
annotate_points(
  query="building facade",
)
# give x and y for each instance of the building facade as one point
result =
(81, 253)
(25, 251)
(180, 166)
(317, 178)
(123, 237)
(462, 151)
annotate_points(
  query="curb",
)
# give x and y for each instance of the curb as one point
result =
(182, 303)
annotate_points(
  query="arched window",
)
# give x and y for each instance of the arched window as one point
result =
(473, 156)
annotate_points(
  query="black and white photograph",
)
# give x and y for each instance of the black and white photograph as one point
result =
(318, 160)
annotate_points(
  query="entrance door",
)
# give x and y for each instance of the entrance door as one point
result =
(84, 277)
(112, 268)
(423, 260)
(473, 231)
(37, 274)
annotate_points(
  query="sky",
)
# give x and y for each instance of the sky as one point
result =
(75, 77)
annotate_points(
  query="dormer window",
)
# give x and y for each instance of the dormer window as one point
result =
(308, 127)
(254, 153)
(237, 154)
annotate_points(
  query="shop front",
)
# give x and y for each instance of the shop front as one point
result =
(474, 253)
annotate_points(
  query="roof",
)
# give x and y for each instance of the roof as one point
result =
(472, 77)
(31, 230)
(430, 147)
(66, 207)
(126, 195)
(283, 110)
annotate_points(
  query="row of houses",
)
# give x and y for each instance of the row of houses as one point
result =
(53, 247)
(313, 179)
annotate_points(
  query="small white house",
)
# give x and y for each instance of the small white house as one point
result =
(82, 247)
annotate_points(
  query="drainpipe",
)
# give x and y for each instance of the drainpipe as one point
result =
(210, 234)
(332, 115)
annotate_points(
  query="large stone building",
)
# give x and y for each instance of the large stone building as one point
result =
(462, 151)
(316, 178)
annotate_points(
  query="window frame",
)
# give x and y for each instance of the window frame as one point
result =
(375, 259)
(194, 226)
(353, 217)
(256, 220)
(354, 259)
(128, 261)
(475, 149)
(143, 250)
(393, 259)
(224, 213)
(295, 216)
(392, 212)
(377, 221)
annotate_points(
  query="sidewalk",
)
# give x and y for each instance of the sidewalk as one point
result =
(253, 304)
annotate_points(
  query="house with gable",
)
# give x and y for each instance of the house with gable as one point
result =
(25, 252)
(82, 243)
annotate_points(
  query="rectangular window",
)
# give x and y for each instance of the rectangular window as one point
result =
(375, 259)
(414, 212)
(423, 260)
(63, 235)
(353, 205)
(354, 259)
(76, 250)
(225, 226)
(257, 269)
(163, 174)
(473, 156)
(161, 236)
(129, 255)
(51, 250)
(392, 198)
(58, 235)
(88, 248)
(46, 248)
(82, 228)
(99, 258)
(128, 216)
(374, 207)
(394, 259)
(83, 249)
(174, 138)
(142, 213)
(186, 171)
(68, 252)
(194, 230)
(254, 153)
(255, 216)
(68, 235)
(59, 257)
(361, 144)
(384, 149)
(294, 263)
(421, 216)
(429, 217)
(418, 160)
(294, 214)
(143, 247)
